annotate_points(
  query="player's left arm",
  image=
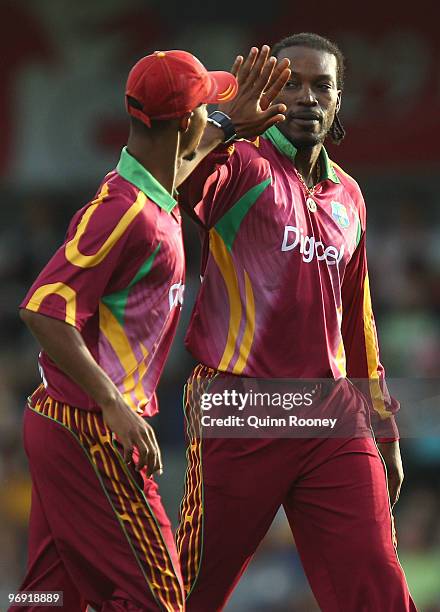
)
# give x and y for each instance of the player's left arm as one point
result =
(363, 362)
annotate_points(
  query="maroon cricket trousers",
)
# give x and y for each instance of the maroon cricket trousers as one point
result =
(335, 496)
(98, 531)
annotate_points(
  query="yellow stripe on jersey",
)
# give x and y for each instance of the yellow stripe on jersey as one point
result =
(341, 362)
(248, 335)
(340, 359)
(114, 333)
(373, 355)
(66, 292)
(72, 252)
(139, 389)
(225, 264)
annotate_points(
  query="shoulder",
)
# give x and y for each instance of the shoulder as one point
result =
(120, 193)
(247, 156)
(115, 207)
(249, 150)
(348, 182)
(352, 187)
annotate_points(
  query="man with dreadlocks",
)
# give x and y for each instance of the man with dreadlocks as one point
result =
(285, 294)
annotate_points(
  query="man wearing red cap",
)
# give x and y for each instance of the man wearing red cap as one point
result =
(104, 310)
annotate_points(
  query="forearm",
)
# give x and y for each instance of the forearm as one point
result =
(66, 347)
(212, 137)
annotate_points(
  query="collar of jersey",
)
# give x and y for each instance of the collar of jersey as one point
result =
(131, 170)
(285, 147)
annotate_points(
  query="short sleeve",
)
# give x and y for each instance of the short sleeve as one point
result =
(96, 256)
(213, 188)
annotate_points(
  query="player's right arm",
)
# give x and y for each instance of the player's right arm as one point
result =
(102, 241)
(66, 347)
(260, 80)
(363, 361)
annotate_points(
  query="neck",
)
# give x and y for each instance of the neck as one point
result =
(306, 162)
(157, 153)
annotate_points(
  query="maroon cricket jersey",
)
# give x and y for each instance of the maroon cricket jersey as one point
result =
(285, 290)
(118, 278)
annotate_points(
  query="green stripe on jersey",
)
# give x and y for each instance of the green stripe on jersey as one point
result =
(117, 302)
(359, 233)
(229, 224)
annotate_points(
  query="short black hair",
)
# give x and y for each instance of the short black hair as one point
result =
(315, 41)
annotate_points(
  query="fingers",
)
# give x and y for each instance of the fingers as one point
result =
(263, 121)
(270, 122)
(149, 452)
(128, 453)
(395, 480)
(395, 498)
(260, 73)
(246, 66)
(237, 65)
(265, 75)
(394, 531)
(252, 67)
(394, 486)
(155, 464)
(274, 112)
(276, 84)
(280, 68)
(262, 68)
(147, 457)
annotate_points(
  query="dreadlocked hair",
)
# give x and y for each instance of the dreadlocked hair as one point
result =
(315, 41)
(336, 131)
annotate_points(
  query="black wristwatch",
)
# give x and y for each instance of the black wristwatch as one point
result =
(223, 121)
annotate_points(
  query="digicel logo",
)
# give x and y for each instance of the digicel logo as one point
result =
(309, 247)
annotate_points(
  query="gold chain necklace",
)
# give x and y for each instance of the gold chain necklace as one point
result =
(309, 191)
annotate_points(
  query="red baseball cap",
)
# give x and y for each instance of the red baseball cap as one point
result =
(169, 84)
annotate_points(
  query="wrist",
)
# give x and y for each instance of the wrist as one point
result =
(212, 137)
(385, 430)
(109, 400)
(223, 122)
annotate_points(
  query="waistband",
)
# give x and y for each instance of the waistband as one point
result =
(321, 388)
(84, 424)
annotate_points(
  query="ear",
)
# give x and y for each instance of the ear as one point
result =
(339, 101)
(185, 122)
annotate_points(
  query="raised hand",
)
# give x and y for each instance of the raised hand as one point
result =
(260, 79)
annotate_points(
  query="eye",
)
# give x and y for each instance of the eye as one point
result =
(291, 84)
(325, 86)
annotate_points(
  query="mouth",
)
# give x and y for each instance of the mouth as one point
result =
(306, 119)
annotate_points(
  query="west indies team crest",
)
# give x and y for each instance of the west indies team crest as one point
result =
(340, 215)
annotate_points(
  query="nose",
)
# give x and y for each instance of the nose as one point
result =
(306, 96)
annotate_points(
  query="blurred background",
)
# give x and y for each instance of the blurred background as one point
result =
(63, 67)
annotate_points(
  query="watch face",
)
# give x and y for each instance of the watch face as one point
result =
(221, 120)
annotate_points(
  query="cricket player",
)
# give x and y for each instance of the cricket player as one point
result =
(285, 294)
(105, 310)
